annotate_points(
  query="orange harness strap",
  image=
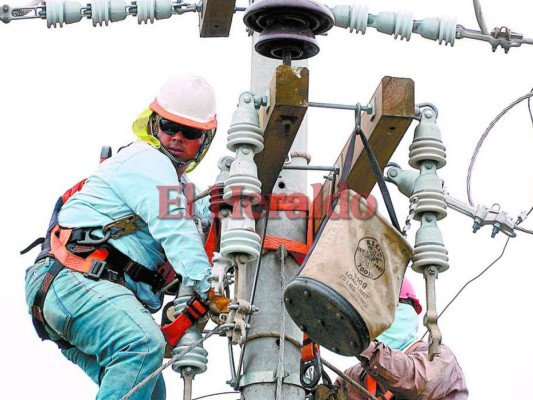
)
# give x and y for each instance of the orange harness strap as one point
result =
(58, 242)
(297, 249)
(372, 387)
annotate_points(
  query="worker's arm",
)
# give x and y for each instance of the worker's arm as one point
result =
(140, 182)
(412, 375)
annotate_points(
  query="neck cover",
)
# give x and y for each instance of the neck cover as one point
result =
(403, 330)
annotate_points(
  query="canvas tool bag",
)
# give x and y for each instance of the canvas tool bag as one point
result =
(347, 289)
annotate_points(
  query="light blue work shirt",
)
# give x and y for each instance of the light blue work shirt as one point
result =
(131, 182)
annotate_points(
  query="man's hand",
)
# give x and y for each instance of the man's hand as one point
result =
(217, 304)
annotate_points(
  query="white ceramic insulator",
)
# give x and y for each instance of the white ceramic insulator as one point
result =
(430, 254)
(358, 18)
(429, 201)
(447, 31)
(163, 9)
(240, 241)
(404, 25)
(431, 150)
(145, 11)
(100, 12)
(242, 186)
(243, 134)
(55, 13)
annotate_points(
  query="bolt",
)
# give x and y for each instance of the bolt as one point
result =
(286, 122)
(288, 300)
(224, 213)
(338, 316)
(429, 165)
(5, 8)
(334, 349)
(188, 370)
(393, 173)
(429, 217)
(352, 343)
(246, 151)
(495, 229)
(303, 328)
(428, 113)
(247, 98)
(306, 293)
(242, 258)
(321, 323)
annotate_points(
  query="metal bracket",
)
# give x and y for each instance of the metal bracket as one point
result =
(482, 216)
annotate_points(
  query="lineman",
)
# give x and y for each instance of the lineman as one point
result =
(97, 306)
(396, 364)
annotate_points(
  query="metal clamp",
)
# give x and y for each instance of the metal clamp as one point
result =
(123, 226)
(96, 270)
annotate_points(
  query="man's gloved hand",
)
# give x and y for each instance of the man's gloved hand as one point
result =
(217, 304)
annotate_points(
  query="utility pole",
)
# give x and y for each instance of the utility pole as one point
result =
(262, 354)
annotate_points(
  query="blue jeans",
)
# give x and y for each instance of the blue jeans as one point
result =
(116, 341)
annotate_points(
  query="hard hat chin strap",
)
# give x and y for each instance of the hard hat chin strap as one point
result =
(154, 130)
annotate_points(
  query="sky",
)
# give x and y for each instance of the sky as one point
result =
(65, 93)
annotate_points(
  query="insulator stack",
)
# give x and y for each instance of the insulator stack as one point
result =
(287, 28)
(400, 24)
(195, 361)
(242, 188)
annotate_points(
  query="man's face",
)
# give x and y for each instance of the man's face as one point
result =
(177, 143)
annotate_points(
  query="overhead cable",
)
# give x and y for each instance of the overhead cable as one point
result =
(215, 394)
(482, 140)
(472, 280)
(480, 19)
(171, 361)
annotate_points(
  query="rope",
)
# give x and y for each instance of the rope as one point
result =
(170, 362)
(482, 139)
(348, 379)
(259, 335)
(281, 369)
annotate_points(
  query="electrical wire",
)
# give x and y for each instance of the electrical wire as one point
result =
(254, 286)
(215, 394)
(472, 280)
(482, 140)
(480, 19)
(529, 107)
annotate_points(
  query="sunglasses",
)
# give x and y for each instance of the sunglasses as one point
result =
(171, 128)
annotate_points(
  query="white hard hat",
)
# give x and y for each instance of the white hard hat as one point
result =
(187, 100)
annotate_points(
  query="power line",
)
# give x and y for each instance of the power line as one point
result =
(472, 280)
(215, 394)
(484, 136)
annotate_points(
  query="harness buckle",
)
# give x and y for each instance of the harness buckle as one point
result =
(96, 269)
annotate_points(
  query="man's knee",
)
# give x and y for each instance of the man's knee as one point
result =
(152, 343)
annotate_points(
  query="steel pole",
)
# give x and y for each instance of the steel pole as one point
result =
(260, 366)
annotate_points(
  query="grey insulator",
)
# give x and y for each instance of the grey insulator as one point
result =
(429, 249)
(55, 13)
(427, 143)
(245, 128)
(441, 29)
(239, 241)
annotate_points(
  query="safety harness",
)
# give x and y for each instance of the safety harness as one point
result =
(192, 312)
(78, 249)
